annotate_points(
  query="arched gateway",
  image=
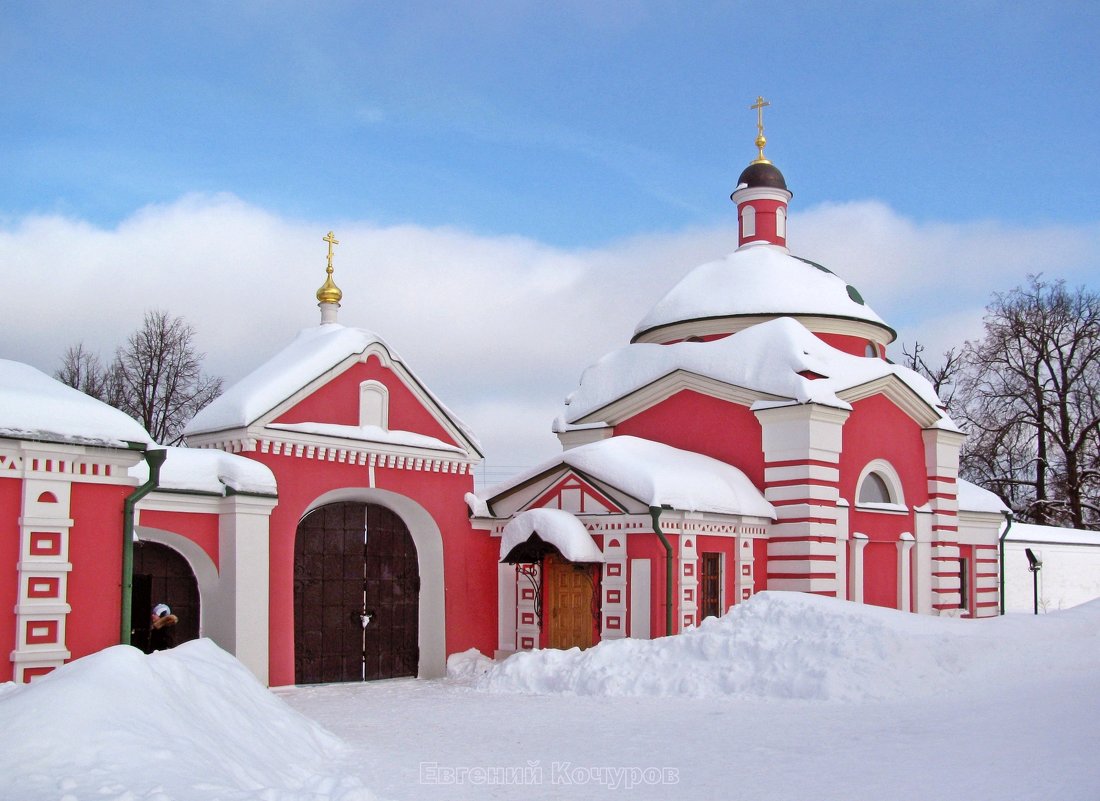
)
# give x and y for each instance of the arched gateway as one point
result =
(356, 595)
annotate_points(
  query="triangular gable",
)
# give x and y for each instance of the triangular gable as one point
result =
(574, 494)
(900, 394)
(450, 427)
(655, 392)
(558, 484)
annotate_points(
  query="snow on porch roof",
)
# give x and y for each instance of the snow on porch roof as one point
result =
(35, 406)
(554, 526)
(210, 471)
(772, 357)
(656, 475)
(308, 356)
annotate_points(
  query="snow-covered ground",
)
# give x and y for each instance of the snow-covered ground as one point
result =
(787, 697)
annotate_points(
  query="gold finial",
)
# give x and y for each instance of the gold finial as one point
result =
(329, 292)
(760, 140)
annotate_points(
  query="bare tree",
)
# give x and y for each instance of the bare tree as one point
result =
(943, 375)
(156, 377)
(1031, 403)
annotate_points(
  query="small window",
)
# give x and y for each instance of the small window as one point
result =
(374, 401)
(781, 223)
(874, 489)
(871, 351)
(748, 221)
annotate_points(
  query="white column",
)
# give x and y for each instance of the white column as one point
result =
(244, 566)
(640, 591)
(905, 545)
(506, 610)
(858, 542)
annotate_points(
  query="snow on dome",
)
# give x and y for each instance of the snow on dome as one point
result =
(195, 470)
(555, 526)
(187, 723)
(758, 279)
(35, 406)
(659, 475)
(768, 358)
(973, 498)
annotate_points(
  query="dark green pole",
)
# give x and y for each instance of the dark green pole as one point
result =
(154, 459)
(1001, 553)
(655, 513)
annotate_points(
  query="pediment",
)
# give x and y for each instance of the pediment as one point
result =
(655, 392)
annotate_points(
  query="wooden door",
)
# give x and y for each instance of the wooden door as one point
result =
(570, 603)
(356, 595)
(710, 585)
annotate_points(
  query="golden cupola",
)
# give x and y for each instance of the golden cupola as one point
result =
(329, 295)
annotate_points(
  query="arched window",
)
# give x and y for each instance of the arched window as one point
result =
(748, 221)
(871, 350)
(874, 490)
(374, 404)
(879, 484)
(781, 223)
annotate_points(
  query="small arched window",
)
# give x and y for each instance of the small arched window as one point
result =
(871, 351)
(874, 489)
(748, 221)
(781, 223)
(374, 404)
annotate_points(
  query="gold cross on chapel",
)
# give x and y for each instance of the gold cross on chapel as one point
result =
(760, 140)
(332, 240)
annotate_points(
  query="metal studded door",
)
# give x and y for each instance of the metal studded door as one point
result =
(356, 595)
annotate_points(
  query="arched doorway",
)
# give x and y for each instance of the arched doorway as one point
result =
(356, 595)
(162, 576)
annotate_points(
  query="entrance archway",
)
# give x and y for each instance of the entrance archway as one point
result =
(356, 595)
(162, 575)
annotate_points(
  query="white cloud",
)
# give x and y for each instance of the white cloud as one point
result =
(500, 327)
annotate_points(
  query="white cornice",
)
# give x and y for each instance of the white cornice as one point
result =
(709, 326)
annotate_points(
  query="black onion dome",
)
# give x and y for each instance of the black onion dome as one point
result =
(761, 173)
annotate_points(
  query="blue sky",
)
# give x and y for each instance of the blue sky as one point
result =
(574, 123)
(533, 158)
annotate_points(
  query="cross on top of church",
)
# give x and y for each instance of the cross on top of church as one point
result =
(332, 240)
(760, 140)
(329, 293)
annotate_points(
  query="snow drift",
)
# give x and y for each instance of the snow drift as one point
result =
(791, 646)
(189, 723)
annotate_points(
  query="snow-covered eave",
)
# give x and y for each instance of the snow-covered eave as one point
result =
(54, 438)
(650, 334)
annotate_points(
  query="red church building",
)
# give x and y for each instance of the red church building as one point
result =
(322, 523)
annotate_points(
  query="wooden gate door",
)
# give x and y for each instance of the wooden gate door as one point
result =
(710, 585)
(356, 595)
(570, 596)
(162, 576)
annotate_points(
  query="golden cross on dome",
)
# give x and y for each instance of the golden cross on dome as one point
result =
(760, 140)
(332, 240)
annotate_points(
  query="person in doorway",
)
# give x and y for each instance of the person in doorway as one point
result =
(162, 629)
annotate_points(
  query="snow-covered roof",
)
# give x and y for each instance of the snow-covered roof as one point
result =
(37, 407)
(555, 526)
(1029, 532)
(973, 498)
(314, 351)
(768, 358)
(759, 279)
(657, 475)
(201, 470)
